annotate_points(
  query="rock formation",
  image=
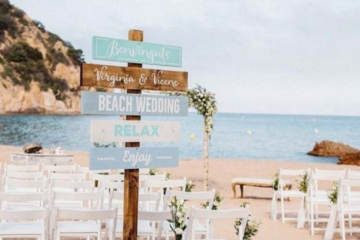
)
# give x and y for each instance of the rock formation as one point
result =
(350, 159)
(332, 149)
(39, 72)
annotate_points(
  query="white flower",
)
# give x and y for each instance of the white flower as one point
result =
(179, 214)
(190, 182)
(216, 204)
(178, 231)
(181, 219)
(169, 203)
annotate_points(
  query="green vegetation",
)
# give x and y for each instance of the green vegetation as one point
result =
(7, 22)
(24, 63)
(22, 52)
(39, 25)
(76, 55)
(5, 7)
(17, 13)
(8, 72)
(9, 25)
(28, 63)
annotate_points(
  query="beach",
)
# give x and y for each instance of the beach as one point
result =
(221, 173)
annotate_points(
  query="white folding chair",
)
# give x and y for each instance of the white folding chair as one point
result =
(77, 200)
(147, 222)
(205, 196)
(24, 175)
(68, 176)
(164, 186)
(147, 201)
(23, 201)
(109, 186)
(196, 214)
(74, 201)
(24, 185)
(282, 193)
(346, 206)
(23, 224)
(84, 223)
(71, 186)
(144, 178)
(22, 168)
(71, 168)
(317, 196)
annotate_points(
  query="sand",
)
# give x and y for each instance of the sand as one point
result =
(220, 176)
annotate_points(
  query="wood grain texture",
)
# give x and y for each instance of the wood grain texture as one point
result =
(94, 75)
(131, 181)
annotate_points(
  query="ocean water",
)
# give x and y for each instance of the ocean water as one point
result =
(236, 136)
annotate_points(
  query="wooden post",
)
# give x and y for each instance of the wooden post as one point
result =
(131, 181)
(206, 159)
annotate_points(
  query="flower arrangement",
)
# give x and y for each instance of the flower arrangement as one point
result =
(189, 186)
(304, 182)
(177, 222)
(152, 171)
(332, 193)
(205, 104)
(276, 182)
(252, 226)
(217, 201)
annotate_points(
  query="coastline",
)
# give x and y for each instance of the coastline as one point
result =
(221, 172)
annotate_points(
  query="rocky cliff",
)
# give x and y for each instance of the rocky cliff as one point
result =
(39, 72)
(332, 149)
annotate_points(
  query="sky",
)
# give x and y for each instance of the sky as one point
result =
(273, 56)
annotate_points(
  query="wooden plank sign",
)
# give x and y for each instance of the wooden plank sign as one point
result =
(133, 158)
(103, 103)
(118, 50)
(93, 75)
(134, 131)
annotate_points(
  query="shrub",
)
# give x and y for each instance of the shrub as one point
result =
(22, 52)
(2, 61)
(17, 13)
(5, 7)
(53, 38)
(7, 24)
(24, 22)
(39, 25)
(8, 72)
(76, 55)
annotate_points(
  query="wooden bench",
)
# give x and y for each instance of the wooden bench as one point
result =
(254, 182)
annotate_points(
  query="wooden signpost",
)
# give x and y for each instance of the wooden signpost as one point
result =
(133, 158)
(119, 50)
(134, 131)
(133, 104)
(132, 78)
(102, 103)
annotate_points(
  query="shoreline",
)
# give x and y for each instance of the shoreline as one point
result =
(221, 173)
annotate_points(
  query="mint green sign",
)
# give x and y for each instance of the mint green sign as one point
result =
(111, 49)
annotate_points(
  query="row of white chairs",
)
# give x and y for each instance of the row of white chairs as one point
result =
(35, 204)
(314, 204)
(89, 223)
(68, 186)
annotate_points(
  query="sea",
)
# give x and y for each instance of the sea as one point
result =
(235, 135)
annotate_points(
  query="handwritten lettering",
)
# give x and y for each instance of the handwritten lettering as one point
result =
(158, 81)
(137, 157)
(114, 50)
(102, 75)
